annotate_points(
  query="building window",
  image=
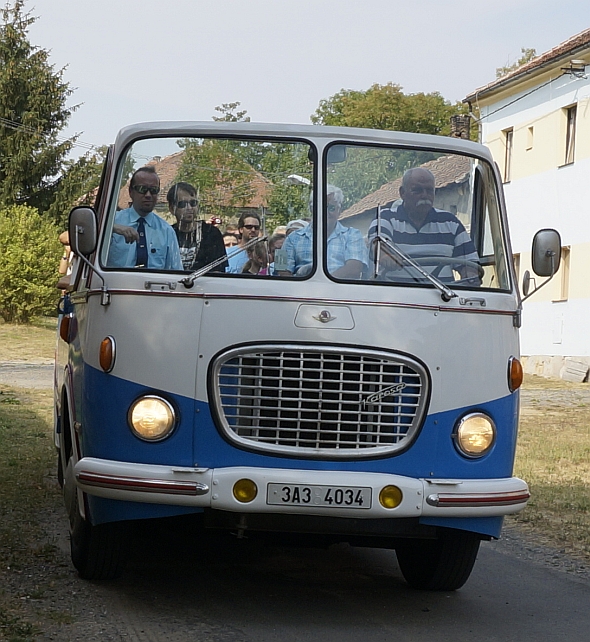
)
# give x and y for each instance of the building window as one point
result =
(570, 134)
(516, 261)
(529, 138)
(508, 138)
(563, 275)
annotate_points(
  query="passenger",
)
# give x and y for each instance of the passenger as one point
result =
(346, 250)
(229, 240)
(295, 225)
(200, 242)
(276, 255)
(65, 263)
(257, 262)
(248, 228)
(422, 231)
(140, 237)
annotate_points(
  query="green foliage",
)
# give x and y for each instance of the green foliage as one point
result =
(229, 173)
(229, 114)
(527, 55)
(32, 113)
(77, 184)
(28, 269)
(387, 107)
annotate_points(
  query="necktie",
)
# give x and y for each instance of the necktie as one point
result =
(142, 253)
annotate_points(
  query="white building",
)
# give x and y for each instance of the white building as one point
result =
(536, 121)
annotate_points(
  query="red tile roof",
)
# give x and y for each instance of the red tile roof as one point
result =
(446, 170)
(580, 43)
(167, 169)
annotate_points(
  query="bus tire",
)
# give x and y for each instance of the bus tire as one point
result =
(443, 564)
(99, 551)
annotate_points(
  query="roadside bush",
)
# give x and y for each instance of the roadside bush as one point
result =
(29, 261)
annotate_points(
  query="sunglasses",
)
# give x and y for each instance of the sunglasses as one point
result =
(144, 189)
(182, 204)
(252, 227)
(332, 208)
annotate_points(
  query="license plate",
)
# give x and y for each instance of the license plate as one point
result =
(326, 496)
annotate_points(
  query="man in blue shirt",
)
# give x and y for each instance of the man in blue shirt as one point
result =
(346, 249)
(141, 238)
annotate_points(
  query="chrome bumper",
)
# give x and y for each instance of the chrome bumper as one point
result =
(213, 488)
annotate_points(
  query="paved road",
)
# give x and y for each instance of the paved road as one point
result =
(181, 588)
(27, 374)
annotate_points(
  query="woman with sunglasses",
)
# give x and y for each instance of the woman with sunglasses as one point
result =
(248, 229)
(200, 242)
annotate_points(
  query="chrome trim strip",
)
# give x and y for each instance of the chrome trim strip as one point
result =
(454, 500)
(139, 484)
(310, 300)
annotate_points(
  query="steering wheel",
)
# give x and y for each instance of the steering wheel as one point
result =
(451, 260)
(441, 261)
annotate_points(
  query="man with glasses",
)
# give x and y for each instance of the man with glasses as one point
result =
(200, 243)
(141, 239)
(346, 250)
(421, 231)
(248, 229)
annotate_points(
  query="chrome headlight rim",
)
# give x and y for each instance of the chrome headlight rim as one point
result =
(173, 415)
(457, 434)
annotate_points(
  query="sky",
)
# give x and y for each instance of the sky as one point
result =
(142, 60)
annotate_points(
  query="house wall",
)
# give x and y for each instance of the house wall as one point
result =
(543, 191)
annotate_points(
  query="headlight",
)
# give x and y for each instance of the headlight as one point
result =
(475, 434)
(152, 418)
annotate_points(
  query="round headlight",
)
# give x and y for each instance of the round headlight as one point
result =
(475, 434)
(152, 418)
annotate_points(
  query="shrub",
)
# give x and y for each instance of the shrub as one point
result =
(29, 261)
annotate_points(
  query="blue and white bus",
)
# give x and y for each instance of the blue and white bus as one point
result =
(355, 382)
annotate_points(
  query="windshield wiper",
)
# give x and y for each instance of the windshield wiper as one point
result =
(395, 253)
(189, 281)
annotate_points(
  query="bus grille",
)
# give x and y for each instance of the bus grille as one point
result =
(321, 402)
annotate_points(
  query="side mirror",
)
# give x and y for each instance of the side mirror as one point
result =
(546, 252)
(83, 230)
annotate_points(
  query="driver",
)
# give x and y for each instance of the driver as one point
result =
(421, 231)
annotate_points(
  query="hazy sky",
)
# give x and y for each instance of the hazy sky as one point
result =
(139, 60)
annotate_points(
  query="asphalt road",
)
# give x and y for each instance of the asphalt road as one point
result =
(179, 587)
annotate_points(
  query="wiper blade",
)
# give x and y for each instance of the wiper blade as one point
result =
(395, 253)
(189, 281)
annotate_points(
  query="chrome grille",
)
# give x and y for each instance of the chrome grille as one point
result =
(322, 402)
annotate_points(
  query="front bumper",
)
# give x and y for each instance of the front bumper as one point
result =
(213, 488)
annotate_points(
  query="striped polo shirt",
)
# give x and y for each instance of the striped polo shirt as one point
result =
(442, 234)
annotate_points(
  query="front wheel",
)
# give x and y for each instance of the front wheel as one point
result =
(443, 564)
(98, 552)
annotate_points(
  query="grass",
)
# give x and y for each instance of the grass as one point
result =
(26, 457)
(553, 455)
(28, 342)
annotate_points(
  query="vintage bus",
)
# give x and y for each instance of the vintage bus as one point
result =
(357, 384)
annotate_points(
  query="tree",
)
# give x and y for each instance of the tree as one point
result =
(229, 114)
(527, 55)
(30, 259)
(33, 111)
(387, 107)
(77, 185)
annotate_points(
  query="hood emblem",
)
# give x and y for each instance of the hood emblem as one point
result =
(384, 392)
(324, 317)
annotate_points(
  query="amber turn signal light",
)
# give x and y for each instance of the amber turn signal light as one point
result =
(514, 374)
(107, 353)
